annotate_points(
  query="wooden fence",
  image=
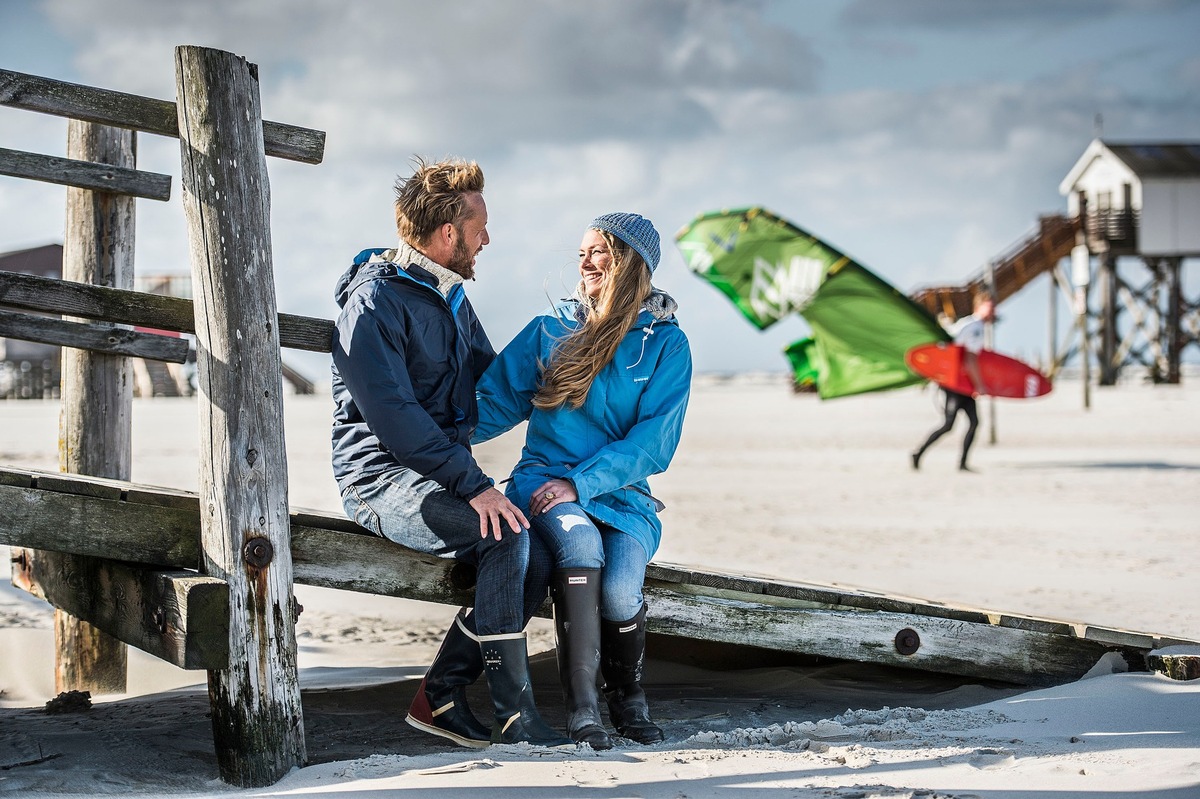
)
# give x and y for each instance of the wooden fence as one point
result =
(244, 563)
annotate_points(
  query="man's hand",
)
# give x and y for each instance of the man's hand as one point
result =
(492, 506)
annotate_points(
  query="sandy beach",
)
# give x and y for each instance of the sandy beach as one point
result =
(1072, 514)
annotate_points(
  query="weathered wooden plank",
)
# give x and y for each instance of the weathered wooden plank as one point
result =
(815, 595)
(99, 527)
(320, 557)
(178, 616)
(36, 293)
(944, 645)
(103, 338)
(68, 483)
(329, 550)
(59, 98)
(9, 477)
(84, 175)
(244, 529)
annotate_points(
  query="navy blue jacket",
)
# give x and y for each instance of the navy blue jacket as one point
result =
(405, 363)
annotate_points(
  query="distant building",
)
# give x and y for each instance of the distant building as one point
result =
(29, 369)
(1139, 209)
(1138, 199)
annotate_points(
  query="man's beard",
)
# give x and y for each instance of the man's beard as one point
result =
(461, 262)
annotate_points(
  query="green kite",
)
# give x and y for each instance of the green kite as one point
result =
(769, 268)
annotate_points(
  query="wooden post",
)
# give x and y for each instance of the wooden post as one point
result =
(257, 721)
(1110, 305)
(1052, 325)
(97, 392)
(1174, 327)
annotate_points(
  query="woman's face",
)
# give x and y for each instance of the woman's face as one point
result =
(595, 263)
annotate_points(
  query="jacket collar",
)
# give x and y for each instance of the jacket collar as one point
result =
(406, 257)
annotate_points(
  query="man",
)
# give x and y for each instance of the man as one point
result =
(969, 332)
(407, 350)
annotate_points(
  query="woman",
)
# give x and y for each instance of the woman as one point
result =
(603, 379)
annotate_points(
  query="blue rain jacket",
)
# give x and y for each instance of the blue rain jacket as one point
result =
(627, 429)
(405, 362)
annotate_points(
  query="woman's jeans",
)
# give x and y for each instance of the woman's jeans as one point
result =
(576, 541)
(411, 510)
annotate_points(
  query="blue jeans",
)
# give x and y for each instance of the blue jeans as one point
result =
(416, 512)
(578, 541)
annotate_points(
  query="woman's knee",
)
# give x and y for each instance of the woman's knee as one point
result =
(620, 597)
(572, 537)
(620, 605)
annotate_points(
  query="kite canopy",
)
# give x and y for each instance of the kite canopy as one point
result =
(769, 268)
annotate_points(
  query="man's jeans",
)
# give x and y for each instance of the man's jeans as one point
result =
(577, 541)
(416, 512)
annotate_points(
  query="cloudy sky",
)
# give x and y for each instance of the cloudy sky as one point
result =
(921, 137)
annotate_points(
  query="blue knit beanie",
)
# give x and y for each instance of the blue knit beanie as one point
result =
(635, 230)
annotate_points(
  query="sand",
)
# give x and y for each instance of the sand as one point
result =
(1074, 514)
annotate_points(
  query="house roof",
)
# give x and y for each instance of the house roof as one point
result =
(1161, 160)
(45, 261)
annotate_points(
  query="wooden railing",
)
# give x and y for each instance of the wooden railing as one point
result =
(244, 562)
(1034, 255)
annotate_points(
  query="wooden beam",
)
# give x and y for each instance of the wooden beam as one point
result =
(99, 527)
(59, 98)
(85, 175)
(941, 645)
(102, 338)
(178, 616)
(36, 293)
(258, 721)
(161, 527)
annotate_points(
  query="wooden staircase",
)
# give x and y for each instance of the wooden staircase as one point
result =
(1012, 271)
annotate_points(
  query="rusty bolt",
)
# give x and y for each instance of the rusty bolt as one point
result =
(907, 641)
(21, 560)
(258, 552)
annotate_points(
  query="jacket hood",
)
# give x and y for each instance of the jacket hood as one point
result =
(661, 305)
(366, 267)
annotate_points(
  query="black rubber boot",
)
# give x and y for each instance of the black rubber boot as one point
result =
(622, 649)
(506, 664)
(440, 706)
(576, 597)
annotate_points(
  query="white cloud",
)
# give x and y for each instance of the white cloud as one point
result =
(667, 108)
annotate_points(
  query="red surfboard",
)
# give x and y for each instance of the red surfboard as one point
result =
(1004, 376)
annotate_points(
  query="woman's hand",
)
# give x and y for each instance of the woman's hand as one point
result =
(551, 493)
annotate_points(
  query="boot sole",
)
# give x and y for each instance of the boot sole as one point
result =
(469, 743)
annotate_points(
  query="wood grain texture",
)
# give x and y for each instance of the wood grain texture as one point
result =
(245, 537)
(99, 338)
(36, 293)
(85, 175)
(59, 98)
(330, 550)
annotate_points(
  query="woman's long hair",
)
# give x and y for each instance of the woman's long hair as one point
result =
(579, 356)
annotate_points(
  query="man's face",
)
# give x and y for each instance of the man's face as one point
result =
(470, 237)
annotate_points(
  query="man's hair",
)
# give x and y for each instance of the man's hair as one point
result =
(433, 196)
